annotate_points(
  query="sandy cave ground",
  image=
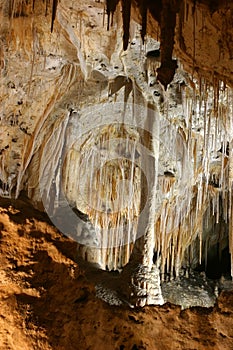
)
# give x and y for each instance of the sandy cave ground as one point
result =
(46, 302)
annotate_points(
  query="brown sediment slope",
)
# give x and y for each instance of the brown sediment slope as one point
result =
(46, 302)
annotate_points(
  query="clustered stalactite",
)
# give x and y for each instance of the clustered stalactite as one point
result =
(126, 15)
(164, 12)
(16, 8)
(210, 193)
(110, 9)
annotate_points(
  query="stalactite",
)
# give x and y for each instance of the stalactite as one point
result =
(194, 32)
(61, 83)
(178, 200)
(47, 2)
(64, 22)
(110, 9)
(34, 47)
(143, 10)
(168, 64)
(11, 8)
(181, 23)
(54, 11)
(116, 182)
(50, 171)
(231, 204)
(126, 12)
(204, 175)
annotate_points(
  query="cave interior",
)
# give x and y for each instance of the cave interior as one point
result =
(145, 86)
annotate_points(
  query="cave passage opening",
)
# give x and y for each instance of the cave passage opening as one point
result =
(216, 260)
(218, 265)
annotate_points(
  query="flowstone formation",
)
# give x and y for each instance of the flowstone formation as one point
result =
(127, 148)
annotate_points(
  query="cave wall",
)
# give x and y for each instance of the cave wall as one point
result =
(82, 120)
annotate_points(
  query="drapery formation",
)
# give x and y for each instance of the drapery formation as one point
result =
(127, 141)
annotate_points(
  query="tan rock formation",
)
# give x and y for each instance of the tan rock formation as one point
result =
(115, 135)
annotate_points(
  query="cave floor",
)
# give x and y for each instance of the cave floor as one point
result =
(47, 302)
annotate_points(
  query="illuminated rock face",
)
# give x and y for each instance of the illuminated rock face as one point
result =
(92, 136)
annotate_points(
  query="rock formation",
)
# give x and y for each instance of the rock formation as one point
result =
(119, 125)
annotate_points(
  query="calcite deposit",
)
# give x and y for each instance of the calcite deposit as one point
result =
(121, 130)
